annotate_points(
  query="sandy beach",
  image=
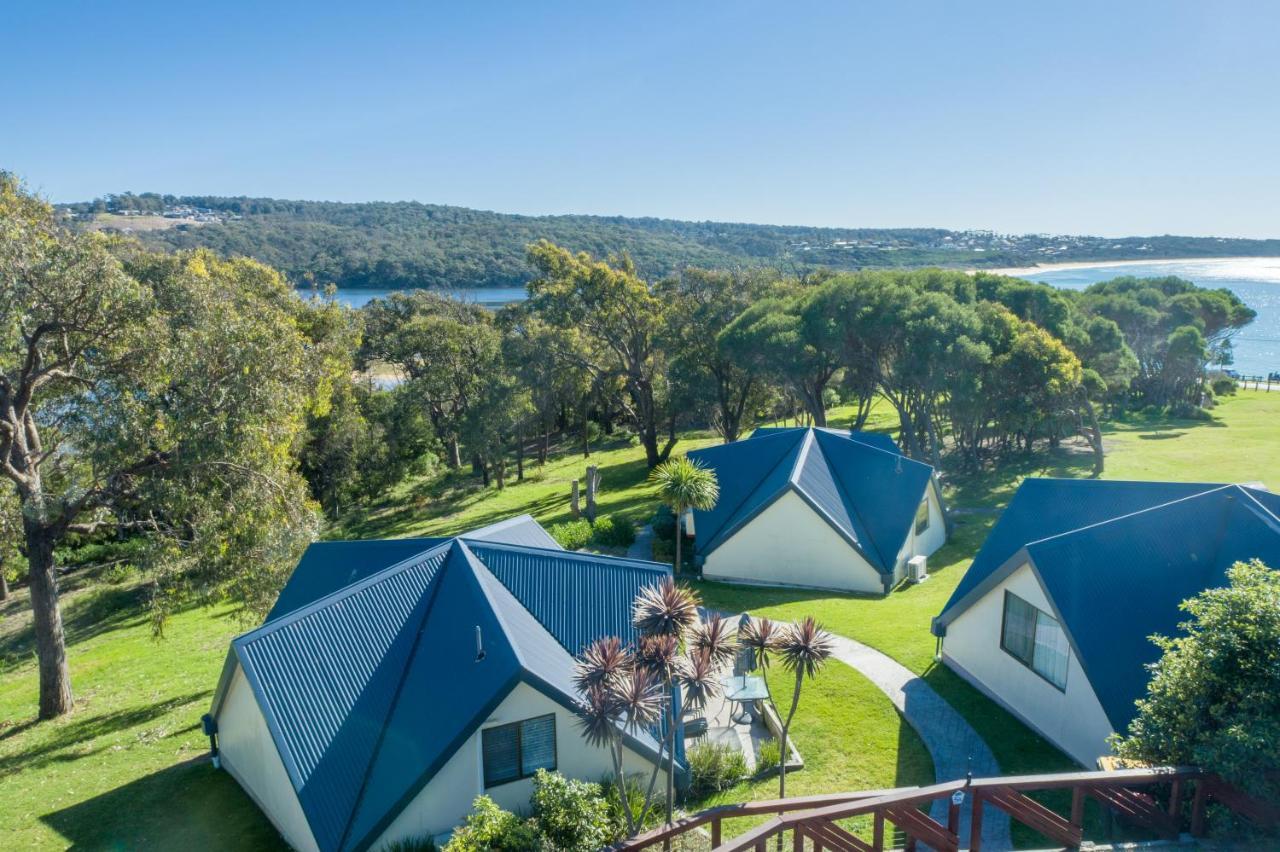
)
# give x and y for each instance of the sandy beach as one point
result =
(1089, 264)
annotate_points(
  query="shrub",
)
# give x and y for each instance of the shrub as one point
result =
(613, 532)
(714, 767)
(663, 550)
(571, 535)
(410, 844)
(491, 829)
(1224, 386)
(573, 816)
(664, 524)
(768, 756)
(635, 796)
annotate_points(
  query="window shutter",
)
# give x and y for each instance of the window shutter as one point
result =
(501, 754)
(538, 744)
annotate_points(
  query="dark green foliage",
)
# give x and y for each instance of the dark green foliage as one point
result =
(714, 767)
(571, 535)
(1214, 695)
(1224, 386)
(410, 844)
(572, 816)
(613, 531)
(664, 524)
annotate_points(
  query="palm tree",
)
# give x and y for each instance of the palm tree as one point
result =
(681, 650)
(618, 697)
(684, 484)
(803, 648)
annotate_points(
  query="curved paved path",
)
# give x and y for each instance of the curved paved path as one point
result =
(952, 742)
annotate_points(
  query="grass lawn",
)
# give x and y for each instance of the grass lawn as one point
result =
(126, 771)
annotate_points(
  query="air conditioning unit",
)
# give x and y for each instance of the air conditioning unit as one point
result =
(917, 569)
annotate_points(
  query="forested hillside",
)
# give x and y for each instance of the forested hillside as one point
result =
(404, 245)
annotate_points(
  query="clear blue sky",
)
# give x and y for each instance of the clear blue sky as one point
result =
(1111, 118)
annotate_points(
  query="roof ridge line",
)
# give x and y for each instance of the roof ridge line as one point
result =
(395, 700)
(1272, 517)
(476, 564)
(577, 555)
(844, 495)
(346, 591)
(802, 456)
(1128, 515)
(718, 536)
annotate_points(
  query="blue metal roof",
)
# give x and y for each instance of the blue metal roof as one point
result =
(867, 493)
(351, 684)
(1044, 507)
(1114, 582)
(327, 566)
(879, 440)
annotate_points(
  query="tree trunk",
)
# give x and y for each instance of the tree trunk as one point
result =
(4, 584)
(675, 568)
(1094, 435)
(51, 641)
(520, 456)
(453, 457)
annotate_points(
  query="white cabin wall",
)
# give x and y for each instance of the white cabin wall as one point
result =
(790, 544)
(249, 753)
(1072, 720)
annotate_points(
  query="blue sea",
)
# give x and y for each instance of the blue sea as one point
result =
(1256, 280)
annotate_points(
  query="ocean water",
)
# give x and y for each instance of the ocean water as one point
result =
(1255, 280)
(489, 296)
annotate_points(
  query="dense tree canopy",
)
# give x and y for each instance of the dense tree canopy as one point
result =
(159, 394)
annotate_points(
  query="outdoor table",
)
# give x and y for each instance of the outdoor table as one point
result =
(742, 690)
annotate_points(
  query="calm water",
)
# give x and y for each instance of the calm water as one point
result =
(1255, 280)
(489, 296)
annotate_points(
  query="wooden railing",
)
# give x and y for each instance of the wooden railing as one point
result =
(1128, 793)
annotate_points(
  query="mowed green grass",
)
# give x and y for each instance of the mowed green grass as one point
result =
(127, 769)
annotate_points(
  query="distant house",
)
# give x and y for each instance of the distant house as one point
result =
(823, 508)
(394, 681)
(1054, 616)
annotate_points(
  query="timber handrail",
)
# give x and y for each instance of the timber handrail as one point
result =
(814, 817)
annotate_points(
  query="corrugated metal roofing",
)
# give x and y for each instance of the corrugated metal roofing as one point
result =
(553, 584)
(1115, 581)
(879, 440)
(328, 566)
(369, 690)
(868, 493)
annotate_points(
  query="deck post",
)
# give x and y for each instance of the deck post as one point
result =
(715, 832)
(797, 840)
(877, 832)
(1175, 800)
(1077, 807)
(953, 818)
(975, 823)
(1197, 807)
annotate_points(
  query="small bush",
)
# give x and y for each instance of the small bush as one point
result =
(613, 532)
(571, 535)
(635, 797)
(768, 756)
(664, 524)
(573, 816)
(1224, 386)
(410, 844)
(491, 829)
(714, 767)
(663, 550)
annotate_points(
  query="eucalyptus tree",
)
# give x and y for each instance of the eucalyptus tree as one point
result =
(445, 348)
(614, 324)
(10, 536)
(163, 395)
(702, 303)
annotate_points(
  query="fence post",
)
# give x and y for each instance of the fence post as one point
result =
(715, 832)
(1077, 807)
(877, 833)
(1175, 800)
(975, 823)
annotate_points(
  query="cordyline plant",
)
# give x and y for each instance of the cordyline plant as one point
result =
(802, 649)
(684, 484)
(629, 690)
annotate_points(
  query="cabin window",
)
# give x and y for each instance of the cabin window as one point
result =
(518, 750)
(1035, 639)
(922, 516)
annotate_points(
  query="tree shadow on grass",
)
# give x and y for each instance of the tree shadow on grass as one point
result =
(189, 805)
(84, 616)
(62, 743)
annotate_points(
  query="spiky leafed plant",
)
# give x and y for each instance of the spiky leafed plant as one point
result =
(665, 609)
(617, 696)
(714, 636)
(683, 484)
(761, 636)
(803, 649)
